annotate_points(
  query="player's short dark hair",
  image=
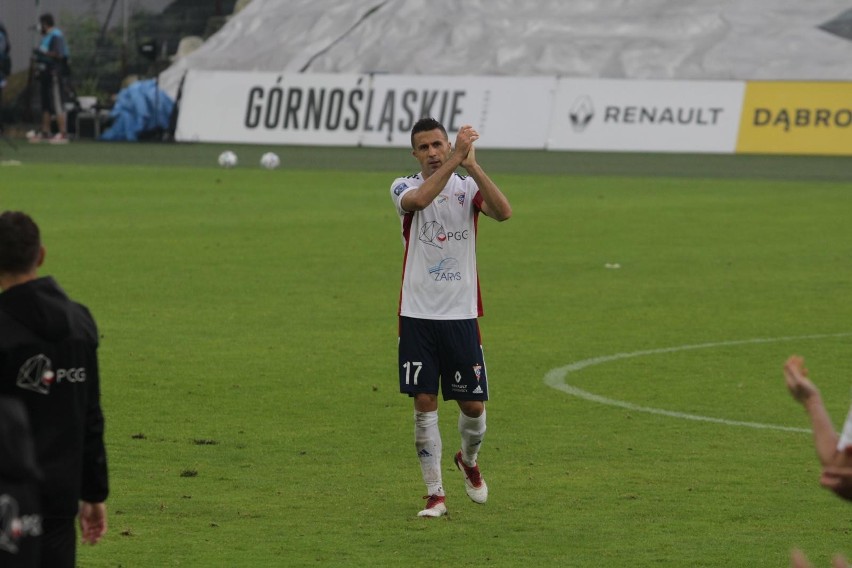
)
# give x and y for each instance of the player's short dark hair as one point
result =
(46, 19)
(425, 125)
(20, 242)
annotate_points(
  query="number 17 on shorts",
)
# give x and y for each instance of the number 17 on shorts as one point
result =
(442, 355)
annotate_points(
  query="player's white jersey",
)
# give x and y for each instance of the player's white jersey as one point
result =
(845, 440)
(439, 279)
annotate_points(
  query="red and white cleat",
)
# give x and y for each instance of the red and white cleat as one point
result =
(435, 507)
(475, 486)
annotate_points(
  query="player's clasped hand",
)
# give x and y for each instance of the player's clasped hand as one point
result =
(799, 560)
(798, 383)
(464, 144)
(466, 137)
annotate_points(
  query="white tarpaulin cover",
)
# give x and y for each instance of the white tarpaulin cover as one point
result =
(636, 39)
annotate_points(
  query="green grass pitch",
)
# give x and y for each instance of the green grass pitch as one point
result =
(249, 356)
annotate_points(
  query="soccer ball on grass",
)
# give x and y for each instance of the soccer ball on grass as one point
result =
(227, 159)
(270, 160)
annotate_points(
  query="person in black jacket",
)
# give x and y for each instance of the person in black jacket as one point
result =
(48, 360)
(20, 517)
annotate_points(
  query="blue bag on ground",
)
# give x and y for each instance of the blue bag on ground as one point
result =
(141, 107)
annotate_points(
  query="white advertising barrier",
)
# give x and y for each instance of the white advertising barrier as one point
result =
(508, 112)
(646, 116)
(271, 108)
(369, 110)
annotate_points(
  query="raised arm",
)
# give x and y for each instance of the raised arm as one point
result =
(805, 392)
(432, 150)
(495, 204)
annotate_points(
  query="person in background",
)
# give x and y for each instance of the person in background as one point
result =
(5, 58)
(54, 74)
(48, 361)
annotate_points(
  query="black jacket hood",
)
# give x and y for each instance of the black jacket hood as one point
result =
(41, 306)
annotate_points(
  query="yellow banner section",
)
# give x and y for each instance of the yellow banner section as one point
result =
(781, 117)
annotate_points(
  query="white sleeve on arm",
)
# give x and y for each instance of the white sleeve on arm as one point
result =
(845, 440)
(399, 188)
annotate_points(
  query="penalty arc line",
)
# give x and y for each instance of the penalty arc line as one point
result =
(555, 378)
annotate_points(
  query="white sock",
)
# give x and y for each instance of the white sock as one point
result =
(472, 432)
(427, 440)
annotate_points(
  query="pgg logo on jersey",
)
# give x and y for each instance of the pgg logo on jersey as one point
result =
(37, 375)
(433, 234)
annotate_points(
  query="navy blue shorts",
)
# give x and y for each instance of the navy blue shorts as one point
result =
(449, 349)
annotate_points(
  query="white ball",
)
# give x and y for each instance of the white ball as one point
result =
(270, 160)
(227, 159)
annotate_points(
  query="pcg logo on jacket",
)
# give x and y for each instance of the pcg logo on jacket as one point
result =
(14, 527)
(37, 375)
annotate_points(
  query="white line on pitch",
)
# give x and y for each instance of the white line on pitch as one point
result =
(556, 378)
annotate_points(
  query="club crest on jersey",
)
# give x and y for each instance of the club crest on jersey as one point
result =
(433, 234)
(477, 370)
(460, 195)
(400, 188)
